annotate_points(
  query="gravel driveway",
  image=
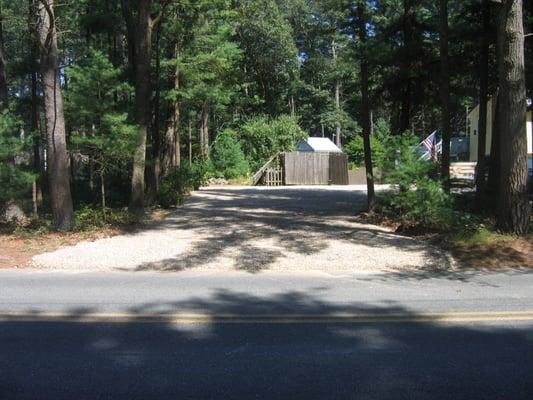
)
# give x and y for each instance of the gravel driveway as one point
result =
(254, 229)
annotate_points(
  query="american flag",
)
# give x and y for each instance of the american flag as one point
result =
(430, 143)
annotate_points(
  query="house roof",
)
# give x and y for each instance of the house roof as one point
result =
(318, 144)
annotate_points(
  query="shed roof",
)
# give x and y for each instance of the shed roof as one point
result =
(318, 144)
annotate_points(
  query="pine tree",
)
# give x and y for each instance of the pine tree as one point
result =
(208, 66)
(365, 104)
(101, 133)
(57, 161)
(513, 205)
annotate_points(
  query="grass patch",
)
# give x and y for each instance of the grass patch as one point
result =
(242, 181)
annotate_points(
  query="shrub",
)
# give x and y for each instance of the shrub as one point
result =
(89, 218)
(227, 157)
(419, 198)
(199, 172)
(425, 205)
(356, 151)
(262, 138)
(401, 164)
(180, 182)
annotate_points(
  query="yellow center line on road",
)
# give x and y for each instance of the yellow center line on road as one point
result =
(224, 318)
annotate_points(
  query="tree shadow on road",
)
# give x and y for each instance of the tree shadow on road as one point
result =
(67, 358)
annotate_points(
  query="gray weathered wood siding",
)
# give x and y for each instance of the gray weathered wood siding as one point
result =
(308, 168)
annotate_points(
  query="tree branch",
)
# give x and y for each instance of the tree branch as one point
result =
(155, 21)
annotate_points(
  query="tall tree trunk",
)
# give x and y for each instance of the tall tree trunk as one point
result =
(204, 132)
(513, 205)
(493, 184)
(190, 141)
(36, 126)
(36, 132)
(338, 129)
(292, 105)
(481, 166)
(172, 155)
(58, 168)
(154, 168)
(405, 66)
(3, 78)
(445, 94)
(366, 119)
(102, 192)
(143, 94)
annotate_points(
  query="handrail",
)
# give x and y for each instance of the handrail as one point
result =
(259, 174)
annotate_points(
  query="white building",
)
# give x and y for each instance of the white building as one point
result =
(473, 119)
(317, 145)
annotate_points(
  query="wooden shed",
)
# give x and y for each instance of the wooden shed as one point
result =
(316, 161)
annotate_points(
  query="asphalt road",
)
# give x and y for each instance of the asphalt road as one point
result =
(266, 336)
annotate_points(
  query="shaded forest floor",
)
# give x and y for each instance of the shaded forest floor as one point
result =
(497, 253)
(19, 243)
(484, 250)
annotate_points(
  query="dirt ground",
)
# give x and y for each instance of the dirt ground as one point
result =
(17, 251)
(503, 252)
(512, 253)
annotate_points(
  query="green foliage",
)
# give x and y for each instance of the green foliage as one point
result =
(418, 198)
(270, 51)
(227, 157)
(356, 151)
(401, 164)
(424, 205)
(15, 180)
(263, 138)
(102, 132)
(180, 182)
(208, 64)
(230, 61)
(89, 218)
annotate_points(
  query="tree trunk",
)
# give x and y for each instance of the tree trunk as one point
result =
(513, 206)
(292, 106)
(494, 165)
(445, 94)
(35, 120)
(405, 67)
(154, 168)
(204, 132)
(405, 110)
(3, 78)
(481, 166)
(36, 133)
(338, 129)
(172, 155)
(143, 94)
(58, 168)
(366, 119)
(190, 141)
(102, 193)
